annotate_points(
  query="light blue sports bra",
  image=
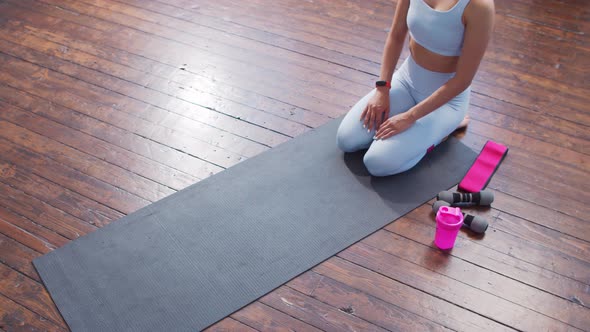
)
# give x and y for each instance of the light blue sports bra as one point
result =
(438, 31)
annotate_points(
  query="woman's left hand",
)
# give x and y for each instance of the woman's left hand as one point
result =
(395, 125)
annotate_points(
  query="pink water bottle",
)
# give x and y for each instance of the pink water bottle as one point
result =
(448, 222)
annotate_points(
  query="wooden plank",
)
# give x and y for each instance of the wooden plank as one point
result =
(95, 94)
(320, 29)
(531, 155)
(29, 233)
(28, 293)
(17, 318)
(554, 64)
(543, 215)
(377, 11)
(525, 190)
(215, 42)
(532, 130)
(558, 176)
(384, 15)
(42, 213)
(183, 78)
(208, 16)
(69, 177)
(537, 195)
(527, 248)
(571, 145)
(126, 132)
(169, 69)
(449, 289)
(380, 46)
(18, 257)
(319, 43)
(420, 227)
(545, 30)
(576, 113)
(314, 312)
(362, 305)
(25, 238)
(265, 318)
(55, 195)
(546, 150)
(318, 35)
(280, 72)
(515, 203)
(229, 325)
(493, 57)
(551, 123)
(535, 233)
(171, 79)
(517, 168)
(136, 189)
(178, 79)
(412, 299)
(183, 169)
(528, 85)
(184, 96)
(470, 274)
(530, 102)
(565, 19)
(307, 14)
(87, 93)
(95, 147)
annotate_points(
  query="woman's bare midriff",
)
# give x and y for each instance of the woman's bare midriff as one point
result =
(432, 61)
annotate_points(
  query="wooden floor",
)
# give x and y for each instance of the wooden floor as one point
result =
(107, 106)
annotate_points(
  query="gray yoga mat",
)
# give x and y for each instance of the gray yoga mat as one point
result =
(191, 259)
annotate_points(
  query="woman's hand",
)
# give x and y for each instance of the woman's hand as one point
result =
(377, 110)
(395, 125)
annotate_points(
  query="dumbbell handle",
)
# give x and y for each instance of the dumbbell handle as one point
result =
(484, 197)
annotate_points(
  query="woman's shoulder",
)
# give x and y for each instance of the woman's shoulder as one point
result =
(486, 5)
(479, 8)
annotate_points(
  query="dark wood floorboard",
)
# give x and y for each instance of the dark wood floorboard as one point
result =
(109, 105)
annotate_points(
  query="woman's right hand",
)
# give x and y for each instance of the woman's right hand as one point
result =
(377, 110)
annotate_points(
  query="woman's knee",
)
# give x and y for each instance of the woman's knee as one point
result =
(349, 141)
(381, 164)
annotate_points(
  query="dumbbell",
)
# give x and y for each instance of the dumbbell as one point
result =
(483, 197)
(474, 223)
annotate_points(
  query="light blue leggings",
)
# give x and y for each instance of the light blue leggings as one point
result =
(410, 85)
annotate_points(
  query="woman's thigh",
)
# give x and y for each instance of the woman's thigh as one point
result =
(352, 136)
(404, 150)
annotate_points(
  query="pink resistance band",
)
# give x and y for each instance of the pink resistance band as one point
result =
(484, 167)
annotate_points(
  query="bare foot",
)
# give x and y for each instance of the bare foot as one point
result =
(461, 126)
(464, 123)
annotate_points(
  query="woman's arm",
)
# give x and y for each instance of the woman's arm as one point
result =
(377, 109)
(479, 21)
(395, 40)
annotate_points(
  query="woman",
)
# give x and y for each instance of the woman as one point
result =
(427, 98)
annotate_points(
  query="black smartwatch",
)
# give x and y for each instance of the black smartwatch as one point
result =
(382, 83)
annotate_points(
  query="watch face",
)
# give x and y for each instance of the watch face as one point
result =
(381, 83)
